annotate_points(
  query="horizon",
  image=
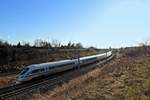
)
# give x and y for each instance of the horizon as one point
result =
(32, 44)
(97, 23)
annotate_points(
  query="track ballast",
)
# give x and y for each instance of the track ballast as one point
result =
(17, 91)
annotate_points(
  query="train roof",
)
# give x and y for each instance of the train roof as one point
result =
(88, 57)
(50, 64)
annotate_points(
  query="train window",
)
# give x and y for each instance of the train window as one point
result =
(65, 64)
(38, 70)
(91, 58)
(24, 71)
(50, 68)
(61, 65)
(35, 71)
(42, 69)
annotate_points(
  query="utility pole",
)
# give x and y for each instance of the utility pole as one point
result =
(78, 57)
(8, 53)
(47, 49)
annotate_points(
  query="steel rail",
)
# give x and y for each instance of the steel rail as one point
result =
(13, 90)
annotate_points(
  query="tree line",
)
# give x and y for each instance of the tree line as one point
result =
(39, 43)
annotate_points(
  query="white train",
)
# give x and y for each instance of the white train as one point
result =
(37, 70)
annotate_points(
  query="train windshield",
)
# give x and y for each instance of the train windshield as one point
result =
(24, 71)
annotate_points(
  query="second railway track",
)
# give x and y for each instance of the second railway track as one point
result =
(19, 91)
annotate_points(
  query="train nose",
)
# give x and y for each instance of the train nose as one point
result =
(20, 77)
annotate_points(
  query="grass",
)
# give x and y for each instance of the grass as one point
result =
(125, 78)
(8, 79)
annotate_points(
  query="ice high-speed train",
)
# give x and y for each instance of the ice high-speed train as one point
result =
(43, 69)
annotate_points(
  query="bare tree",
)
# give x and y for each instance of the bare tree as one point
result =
(18, 45)
(56, 43)
(79, 46)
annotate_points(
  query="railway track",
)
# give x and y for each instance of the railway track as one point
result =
(19, 91)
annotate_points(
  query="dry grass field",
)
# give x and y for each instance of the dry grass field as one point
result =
(7, 79)
(125, 78)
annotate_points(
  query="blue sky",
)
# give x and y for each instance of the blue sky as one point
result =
(100, 23)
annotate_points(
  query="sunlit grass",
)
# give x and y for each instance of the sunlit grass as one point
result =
(125, 78)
